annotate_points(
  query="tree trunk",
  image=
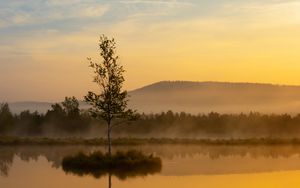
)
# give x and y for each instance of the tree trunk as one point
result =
(109, 138)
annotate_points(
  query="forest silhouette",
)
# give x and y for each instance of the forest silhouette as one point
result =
(66, 119)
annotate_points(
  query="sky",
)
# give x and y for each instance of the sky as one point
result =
(44, 43)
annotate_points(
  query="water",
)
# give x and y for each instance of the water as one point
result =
(188, 166)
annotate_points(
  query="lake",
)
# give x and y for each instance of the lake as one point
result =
(191, 166)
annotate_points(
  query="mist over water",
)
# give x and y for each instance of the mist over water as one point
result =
(248, 159)
(180, 162)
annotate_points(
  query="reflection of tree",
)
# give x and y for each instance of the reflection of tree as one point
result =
(55, 154)
(6, 160)
(4, 167)
(120, 174)
(109, 180)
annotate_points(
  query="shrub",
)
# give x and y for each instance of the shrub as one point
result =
(122, 164)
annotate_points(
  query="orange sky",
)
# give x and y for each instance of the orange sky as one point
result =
(44, 44)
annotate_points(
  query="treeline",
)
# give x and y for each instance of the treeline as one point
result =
(66, 119)
(62, 119)
(215, 125)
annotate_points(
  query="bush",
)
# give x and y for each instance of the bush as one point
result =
(121, 164)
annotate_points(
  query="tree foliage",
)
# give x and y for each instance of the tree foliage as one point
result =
(66, 117)
(6, 118)
(111, 103)
(71, 106)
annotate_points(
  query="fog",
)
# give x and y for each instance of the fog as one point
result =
(57, 123)
(189, 159)
(172, 110)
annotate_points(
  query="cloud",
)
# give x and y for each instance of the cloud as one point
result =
(263, 13)
(63, 2)
(162, 2)
(2, 23)
(92, 11)
(21, 18)
(232, 20)
(40, 12)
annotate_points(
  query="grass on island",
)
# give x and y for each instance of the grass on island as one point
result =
(121, 164)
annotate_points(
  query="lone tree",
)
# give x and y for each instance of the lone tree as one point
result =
(110, 104)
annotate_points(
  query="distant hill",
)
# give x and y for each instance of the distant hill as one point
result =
(202, 97)
(224, 97)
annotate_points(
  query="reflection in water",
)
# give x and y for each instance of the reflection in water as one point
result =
(109, 180)
(121, 174)
(177, 159)
(6, 160)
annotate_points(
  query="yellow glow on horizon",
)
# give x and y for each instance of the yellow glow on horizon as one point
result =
(241, 43)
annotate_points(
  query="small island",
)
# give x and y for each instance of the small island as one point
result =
(121, 164)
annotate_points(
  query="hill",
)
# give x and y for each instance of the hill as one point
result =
(224, 97)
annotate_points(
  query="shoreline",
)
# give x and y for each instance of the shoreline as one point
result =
(6, 141)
